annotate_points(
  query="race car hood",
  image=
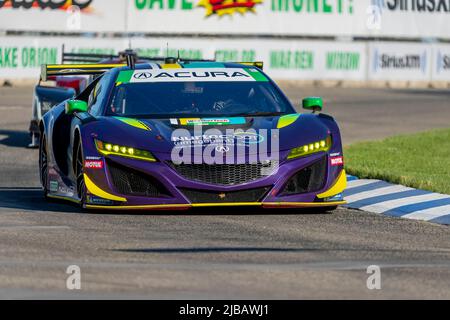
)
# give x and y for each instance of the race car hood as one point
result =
(162, 135)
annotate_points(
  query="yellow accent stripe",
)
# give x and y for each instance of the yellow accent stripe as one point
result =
(84, 66)
(63, 198)
(170, 66)
(150, 206)
(287, 120)
(92, 188)
(338, 187)
(107, 153)
(226, 204)
(304, 204)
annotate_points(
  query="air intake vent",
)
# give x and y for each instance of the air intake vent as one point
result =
(309, 179)
(201, 196)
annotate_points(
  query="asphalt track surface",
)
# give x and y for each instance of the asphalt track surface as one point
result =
(228, 254)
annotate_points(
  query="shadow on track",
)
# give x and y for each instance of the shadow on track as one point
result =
(18, 139)
(32, 199)
(215, 250)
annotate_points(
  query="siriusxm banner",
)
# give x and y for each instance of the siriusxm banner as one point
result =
(400, 61)
(391, 18)
(441, 63)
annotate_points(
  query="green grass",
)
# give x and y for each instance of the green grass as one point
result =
(420, 160)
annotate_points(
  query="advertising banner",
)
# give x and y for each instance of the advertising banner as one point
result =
(378, 18)
(63, 15)
(21, 57)
(399, 61)
(441, 63)
(390, 18)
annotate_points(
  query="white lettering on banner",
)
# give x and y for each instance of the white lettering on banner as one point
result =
(21, 57)
(400, 18)
(441, 63)
(190, 75)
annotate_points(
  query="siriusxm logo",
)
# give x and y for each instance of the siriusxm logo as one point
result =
(413, 61)
(443, 62)
(426, 6)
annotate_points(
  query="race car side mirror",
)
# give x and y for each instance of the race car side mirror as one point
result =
(73, 106)
(313, 103)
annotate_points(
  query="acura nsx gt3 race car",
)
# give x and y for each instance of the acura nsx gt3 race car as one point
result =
(184, 134)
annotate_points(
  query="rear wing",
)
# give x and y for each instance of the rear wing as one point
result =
(48, 70)
(258, 64)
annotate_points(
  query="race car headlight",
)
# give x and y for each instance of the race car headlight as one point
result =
(310, 148)
(123, 151)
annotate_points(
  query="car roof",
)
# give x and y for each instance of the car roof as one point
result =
(187, 65)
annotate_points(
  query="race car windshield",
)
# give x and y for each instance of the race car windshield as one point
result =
(199, 99)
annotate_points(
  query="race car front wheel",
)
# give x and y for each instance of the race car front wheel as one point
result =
(43, 164)
(81, 187)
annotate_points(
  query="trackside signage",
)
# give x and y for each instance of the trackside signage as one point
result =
(441, 63)
(393, 61)
(191, 75)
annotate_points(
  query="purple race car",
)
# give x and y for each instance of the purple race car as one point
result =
(183, 134)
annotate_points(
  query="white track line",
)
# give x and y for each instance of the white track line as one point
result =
(429, 214)
(358, 183)
(381, 207)
(376, 192)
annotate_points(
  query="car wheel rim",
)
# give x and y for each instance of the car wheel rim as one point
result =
(81, 190)
(44, 164)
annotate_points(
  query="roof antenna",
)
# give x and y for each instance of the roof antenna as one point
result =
(167, 49)
(129, 43)
(178, 56)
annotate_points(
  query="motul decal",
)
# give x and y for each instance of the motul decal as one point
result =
(337, 161)
(93, 164)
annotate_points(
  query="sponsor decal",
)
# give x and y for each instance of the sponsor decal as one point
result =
(236, 138)
(418, 6)
(335, 154)
(338, 197)
(400, 62)
(212, 122)
(443, 62)
(84, 5)
(223, 7)
(231, 147)
(98, 200)
(54, 186)
(339, 60)
(222, 149)
(27, 57)
(337, 161)
(189, 75)
(93, 164)
(68, 191)
(296, 59)
(313, 6)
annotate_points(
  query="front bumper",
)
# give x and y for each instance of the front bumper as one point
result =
(181, 193)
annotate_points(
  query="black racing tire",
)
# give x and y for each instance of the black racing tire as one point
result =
(79, 175)
(43, 165)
